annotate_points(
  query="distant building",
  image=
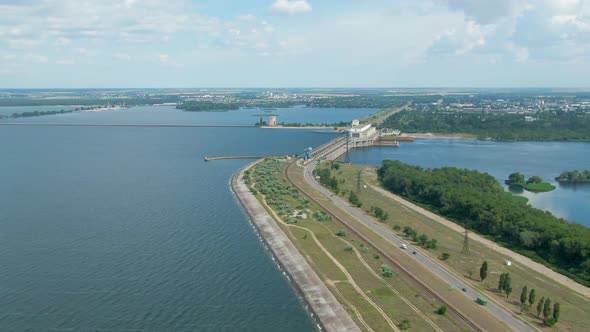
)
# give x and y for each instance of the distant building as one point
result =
(272, 121)
(355, 123)
(364, 132)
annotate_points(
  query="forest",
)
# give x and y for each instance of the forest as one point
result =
(574, 177)
(554, 125)
(478, 201)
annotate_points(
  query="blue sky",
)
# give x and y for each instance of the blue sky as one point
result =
(294, 43)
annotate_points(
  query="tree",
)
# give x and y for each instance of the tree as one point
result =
(507, 284)
(501, 282)
(540, 306)
(445, 256)
(532, 296)
(354, 199)
(556, 311)
(483, 270)
(508, 290)
(534, 179)
(524, 295)
(442, 310)
(515, 179)
(547, 309)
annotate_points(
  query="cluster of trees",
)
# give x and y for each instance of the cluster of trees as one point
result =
(478, 201)
(39, 113)
(554, 125)
(362, 101)
(534, 183)
(326, 178)
(421, 239)
(574, 177)
(233, 104)
(379, 213)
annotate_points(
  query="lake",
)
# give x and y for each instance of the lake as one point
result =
(545, 159)
(128, 229)
(171, 115)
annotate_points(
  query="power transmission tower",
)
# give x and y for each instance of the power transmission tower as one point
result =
(347, 156)
(466, 241)
(358, 183)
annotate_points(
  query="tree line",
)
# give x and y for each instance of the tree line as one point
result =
(553, 125)
(574, 177)
(478, 201)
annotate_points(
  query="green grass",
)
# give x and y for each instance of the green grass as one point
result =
(268, 177)
(539, 187)
(574, 307)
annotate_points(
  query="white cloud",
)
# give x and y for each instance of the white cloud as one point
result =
(65, 62)
(38, 58)
(122, 56)
(167, 60)
(290, 7)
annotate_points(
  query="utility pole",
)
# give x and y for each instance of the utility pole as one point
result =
(466, 240)
(358, 183)
(347, 157)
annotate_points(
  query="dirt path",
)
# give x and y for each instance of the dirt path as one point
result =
(416, 310)
(349, 278)
(585, 291)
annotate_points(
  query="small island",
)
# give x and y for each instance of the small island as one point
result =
(534, 184)
(574, 177)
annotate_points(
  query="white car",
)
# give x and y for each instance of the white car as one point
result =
(404, 246)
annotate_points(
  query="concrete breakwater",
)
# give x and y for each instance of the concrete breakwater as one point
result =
(321, 302)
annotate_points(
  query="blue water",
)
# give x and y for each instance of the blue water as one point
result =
(171, 115)
(9, 110)
(545, 159)
(127, 229)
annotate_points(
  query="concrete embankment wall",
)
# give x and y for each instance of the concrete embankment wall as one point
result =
(323, 305)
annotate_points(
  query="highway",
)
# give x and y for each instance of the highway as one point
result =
(493, 308)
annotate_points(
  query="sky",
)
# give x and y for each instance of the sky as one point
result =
(294, 43)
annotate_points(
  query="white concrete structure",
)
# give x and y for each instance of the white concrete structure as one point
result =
(364, 132)
(272, 121)
(355, 123)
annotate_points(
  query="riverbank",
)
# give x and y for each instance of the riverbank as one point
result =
(323, 305)
(438, 136)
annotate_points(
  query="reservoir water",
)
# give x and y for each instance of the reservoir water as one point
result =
(171, 115)
(127, 229)
(545, 159)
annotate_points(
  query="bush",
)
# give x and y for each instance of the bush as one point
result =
(442, 310)
(386, 270)
(549, 321)
(354, 199)
(341, 233)
(349, 249)
(404, 325)
(445, 256)
(397, 227)
(376, 256)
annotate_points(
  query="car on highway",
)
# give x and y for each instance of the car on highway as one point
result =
(404, 246)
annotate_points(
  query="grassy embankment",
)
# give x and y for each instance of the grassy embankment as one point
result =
(574, 307)
(539, 187)
(345, 263)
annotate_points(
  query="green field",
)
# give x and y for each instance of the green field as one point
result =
(343, 260)
(539, 187)
(574, 307)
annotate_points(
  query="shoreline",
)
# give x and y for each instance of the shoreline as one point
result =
(438, 136)
(320, 302)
